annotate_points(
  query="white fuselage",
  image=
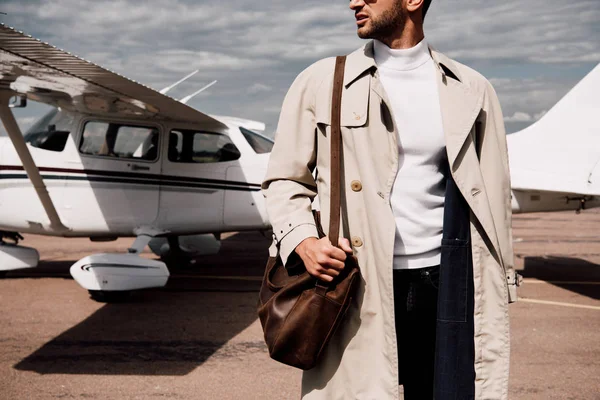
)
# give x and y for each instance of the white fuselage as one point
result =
(102, 196)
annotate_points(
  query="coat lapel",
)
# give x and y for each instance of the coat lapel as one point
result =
(460, 105)
(460, 108)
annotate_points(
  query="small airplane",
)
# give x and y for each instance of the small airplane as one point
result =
(115, 159)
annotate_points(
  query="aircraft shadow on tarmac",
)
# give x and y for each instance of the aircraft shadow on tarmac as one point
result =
(574, 272)
(168, 331)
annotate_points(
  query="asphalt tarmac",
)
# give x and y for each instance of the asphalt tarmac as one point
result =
(198, 338)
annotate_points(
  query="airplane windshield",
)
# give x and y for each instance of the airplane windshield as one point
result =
(259, 143)
(51, 131)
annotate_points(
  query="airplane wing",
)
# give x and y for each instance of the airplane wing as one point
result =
(53, 76)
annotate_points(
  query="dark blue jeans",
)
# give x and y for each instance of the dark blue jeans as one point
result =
(415, 303)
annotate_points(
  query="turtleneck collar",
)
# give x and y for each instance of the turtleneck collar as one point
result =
(401, 59)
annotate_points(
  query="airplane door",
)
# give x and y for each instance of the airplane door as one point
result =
(193, 181)
(114, 186)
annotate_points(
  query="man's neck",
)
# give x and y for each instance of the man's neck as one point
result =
(409, 37)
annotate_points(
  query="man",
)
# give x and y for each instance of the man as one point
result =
(426, 206)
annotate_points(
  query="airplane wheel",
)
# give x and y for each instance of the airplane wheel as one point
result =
(178, 262)
(175, 258)
(107, 296)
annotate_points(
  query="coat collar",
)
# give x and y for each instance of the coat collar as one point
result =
(363, 60)
(359, 62)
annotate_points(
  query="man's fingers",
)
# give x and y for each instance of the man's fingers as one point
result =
(345, 245)
(338, 254)
(318, 271)
(334, 264)
(328, 270)
(325, 259)
(331, 272)
(325, 278)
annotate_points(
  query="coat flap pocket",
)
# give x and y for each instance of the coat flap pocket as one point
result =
(355, 104)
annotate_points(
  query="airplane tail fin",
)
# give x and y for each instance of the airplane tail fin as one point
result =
(561, 151)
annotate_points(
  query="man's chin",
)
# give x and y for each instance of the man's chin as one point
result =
(363, 32)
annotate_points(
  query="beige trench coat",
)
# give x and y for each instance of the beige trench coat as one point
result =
(361, 361)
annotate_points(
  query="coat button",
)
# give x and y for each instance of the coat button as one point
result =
(356, 186)
(356, 241)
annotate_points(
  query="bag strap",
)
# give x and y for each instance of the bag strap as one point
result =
(336, 157)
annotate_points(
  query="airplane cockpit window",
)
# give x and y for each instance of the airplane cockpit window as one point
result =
(50, 132)
(190, 146)
(119, 141)
(259, 143)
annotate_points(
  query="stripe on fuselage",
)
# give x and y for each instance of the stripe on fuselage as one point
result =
(131, 178)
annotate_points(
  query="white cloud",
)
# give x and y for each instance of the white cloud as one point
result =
(526, 100)
(541, 31)
(257, 88)
(182, 61)
(520, 116)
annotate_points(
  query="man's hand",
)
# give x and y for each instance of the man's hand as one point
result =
(321, 258)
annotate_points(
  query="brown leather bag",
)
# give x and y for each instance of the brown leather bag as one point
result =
(298, 312)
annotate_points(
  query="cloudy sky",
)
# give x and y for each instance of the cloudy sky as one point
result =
(533, 51)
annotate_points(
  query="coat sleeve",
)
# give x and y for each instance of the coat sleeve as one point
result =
(289, 187)
(494, 128)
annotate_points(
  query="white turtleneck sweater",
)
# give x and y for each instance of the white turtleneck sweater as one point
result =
(409, 79)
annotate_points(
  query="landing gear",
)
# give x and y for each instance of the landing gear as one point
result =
(110, 296)
(14, 237)
(175, 257)
(179, 252)
(13, 256)
(581, 202)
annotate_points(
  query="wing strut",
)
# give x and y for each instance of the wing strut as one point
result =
(14, 132)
